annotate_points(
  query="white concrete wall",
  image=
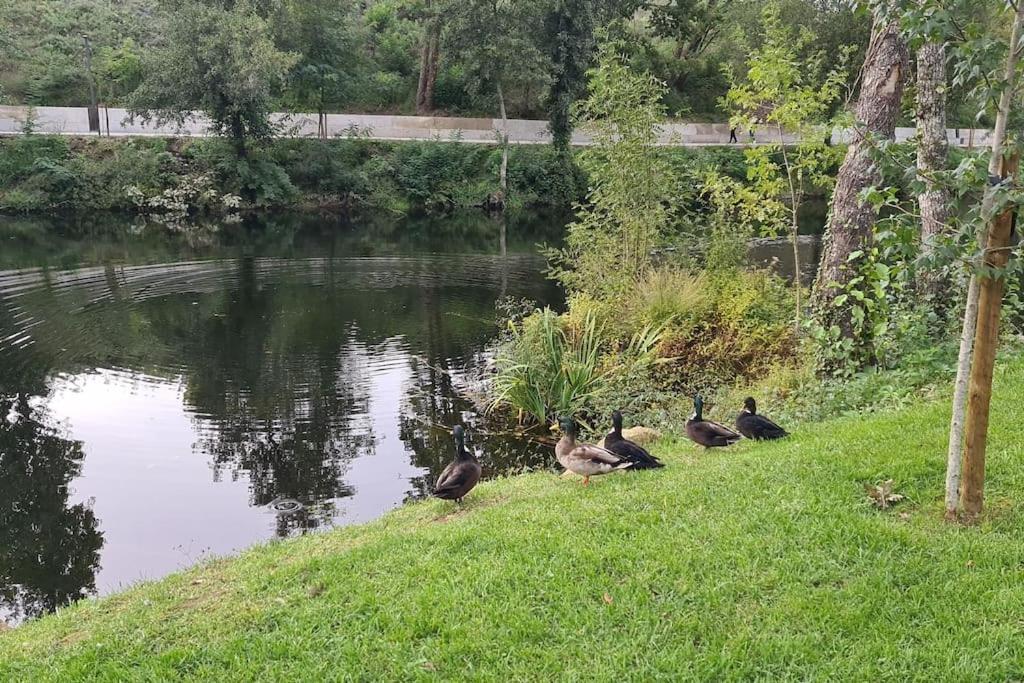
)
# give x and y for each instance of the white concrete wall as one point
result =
(75, 121)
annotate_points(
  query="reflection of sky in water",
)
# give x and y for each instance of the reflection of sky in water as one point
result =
(151, 489)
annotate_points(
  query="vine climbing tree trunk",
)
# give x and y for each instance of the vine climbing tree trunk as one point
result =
(932, 148)
(967, 333)
(850, 220)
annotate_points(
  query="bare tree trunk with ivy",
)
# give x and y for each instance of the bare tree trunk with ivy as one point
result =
(931, 158)
(963, 368)
(850, 220)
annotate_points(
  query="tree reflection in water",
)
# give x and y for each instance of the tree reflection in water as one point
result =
(300, 346)
(49, 549)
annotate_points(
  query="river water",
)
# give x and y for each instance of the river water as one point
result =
(167, 396)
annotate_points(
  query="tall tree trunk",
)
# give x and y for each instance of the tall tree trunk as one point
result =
(850, 220)
(967, 333)
(931, 158)
(428, 68)
(794, 214)
(986, 342)
(238, 136)
(503, 173)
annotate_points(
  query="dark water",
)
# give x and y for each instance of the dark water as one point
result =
(161, 393)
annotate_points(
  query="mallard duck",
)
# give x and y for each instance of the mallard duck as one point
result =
(705, 432)
(461, 475)
(621, 446)
(585, 459)
(754, 426)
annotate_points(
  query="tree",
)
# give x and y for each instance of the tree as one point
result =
(429, 57)
(569, 32)
(119, 71)
(984, 298)
(780, 91)
(851, 219)
(932, 149)
(221, 60)
(629, 206)
(493, 39)
(326, 36)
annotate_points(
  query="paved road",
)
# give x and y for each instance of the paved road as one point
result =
(115, 122)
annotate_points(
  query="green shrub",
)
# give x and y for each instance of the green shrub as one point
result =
(553, 365)
(19, 155)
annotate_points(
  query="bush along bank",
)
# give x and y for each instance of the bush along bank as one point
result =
(50, 173)
(41, 173)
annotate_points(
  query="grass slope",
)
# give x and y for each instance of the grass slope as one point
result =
(763, 561)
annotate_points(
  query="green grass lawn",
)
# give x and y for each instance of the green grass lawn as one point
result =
(763, 561)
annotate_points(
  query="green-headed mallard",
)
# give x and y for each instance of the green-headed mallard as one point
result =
(585, 459)
(623, 447)
(461, 475)
(705, 432)
(754, 426)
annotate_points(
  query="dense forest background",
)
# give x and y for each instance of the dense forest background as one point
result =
(457, 57)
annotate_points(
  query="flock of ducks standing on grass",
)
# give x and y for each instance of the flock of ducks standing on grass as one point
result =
(617, 453)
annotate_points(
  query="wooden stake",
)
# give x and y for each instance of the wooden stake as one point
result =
(986, 341)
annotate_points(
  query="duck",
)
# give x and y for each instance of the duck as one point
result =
(462, 474)
(623, 447)
(705, 432)
(754, 426)
(585, 459)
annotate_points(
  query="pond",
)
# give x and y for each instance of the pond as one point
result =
(167, 396)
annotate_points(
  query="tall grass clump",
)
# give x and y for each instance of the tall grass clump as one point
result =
(553, 365)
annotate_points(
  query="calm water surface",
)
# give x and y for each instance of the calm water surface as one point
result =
(162, 394)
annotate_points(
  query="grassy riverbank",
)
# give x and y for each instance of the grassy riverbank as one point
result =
(761, 561)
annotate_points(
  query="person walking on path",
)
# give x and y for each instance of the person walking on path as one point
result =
(732, 135)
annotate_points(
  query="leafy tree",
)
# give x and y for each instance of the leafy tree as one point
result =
(327, 36)
(41, 46)
(493, 41)
(780, 91)
(118, 70)
(629, 206)
(221, 60)
(569, 31)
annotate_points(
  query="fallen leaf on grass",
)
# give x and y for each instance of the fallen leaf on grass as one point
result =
(607, 599)
(428, 666)
(882, 495)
